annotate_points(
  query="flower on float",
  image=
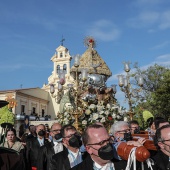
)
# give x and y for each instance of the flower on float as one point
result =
(92, 106)
(101, 112)
(114, 107)
(125, 119)
(95, 116)
(66, 122)
(88, 111)
(108, 106)
(106, 112)
(65, 113)
(114, 115)
(101, 116)
(110, 118)
(100, 108)
(103, 120)
(84, 122)
(118, 117)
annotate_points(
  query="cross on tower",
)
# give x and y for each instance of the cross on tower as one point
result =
(62, 40)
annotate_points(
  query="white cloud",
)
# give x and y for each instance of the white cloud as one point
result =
(162, 45)
(150, 14)
(144, 19)
(165, 20)
(104, 30)
(165, 57)
(146, 2)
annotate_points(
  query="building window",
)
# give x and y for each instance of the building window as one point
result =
(61, 55)
(58, 68)
(43, 112)
(22, 109)
(65, 68)
(33, 110)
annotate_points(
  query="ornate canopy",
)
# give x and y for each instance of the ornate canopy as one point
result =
(92, 61)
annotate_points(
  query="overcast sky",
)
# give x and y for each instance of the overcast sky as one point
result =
(125, 30)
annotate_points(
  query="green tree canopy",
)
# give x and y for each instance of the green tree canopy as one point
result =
(156, 91)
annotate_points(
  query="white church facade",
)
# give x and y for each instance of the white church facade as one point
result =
(39, 103)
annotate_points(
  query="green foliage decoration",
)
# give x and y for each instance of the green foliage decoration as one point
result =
(6, 116)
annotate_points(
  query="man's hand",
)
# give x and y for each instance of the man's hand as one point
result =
(137, 143)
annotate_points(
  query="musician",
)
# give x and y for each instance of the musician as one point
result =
(162, 141)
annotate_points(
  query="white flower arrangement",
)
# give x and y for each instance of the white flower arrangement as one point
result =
(95, 113)
(105, 114)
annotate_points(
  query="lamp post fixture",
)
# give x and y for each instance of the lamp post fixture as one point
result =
(126, 87)
(75, 88)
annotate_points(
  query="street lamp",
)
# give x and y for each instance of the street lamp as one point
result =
(126, 87)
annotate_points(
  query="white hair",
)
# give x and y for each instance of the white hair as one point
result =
(117, 126)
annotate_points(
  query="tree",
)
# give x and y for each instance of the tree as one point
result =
(156, 90)
(161, 96)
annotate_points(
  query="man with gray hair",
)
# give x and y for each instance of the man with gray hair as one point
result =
(121, 132)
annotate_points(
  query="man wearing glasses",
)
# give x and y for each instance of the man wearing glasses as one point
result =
(121, 131)
(98, 144)
(134, 127)
(71, 155)
(162, 141)
(47, 151)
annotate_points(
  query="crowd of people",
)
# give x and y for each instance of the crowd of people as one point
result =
(96, 148)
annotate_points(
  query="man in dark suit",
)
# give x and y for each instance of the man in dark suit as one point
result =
(33, 145)
(71, 155)
(98, 144)
(32, 132)
(47, 151)
(162, 141)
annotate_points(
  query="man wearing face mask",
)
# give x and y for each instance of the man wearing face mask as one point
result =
(33, 145)
(121, 131)
(162, 141)
(98, 144)
(71, 155)
(47, 151)
(134, 127)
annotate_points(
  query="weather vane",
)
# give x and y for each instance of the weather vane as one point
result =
(62, 40)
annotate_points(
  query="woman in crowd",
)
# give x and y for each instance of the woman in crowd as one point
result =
(11, 141)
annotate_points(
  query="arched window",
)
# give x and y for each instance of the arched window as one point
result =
(65, 68)
(58, 68)
(61, 55)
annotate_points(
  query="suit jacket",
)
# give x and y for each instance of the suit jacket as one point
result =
(161, 161)
(32, 148)
(60, 160)
(44, 156)
(87, 164)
